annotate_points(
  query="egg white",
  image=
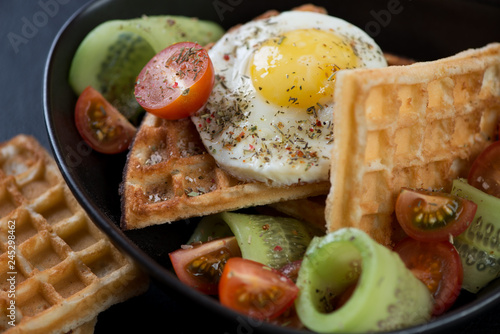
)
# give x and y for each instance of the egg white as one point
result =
(254, 139)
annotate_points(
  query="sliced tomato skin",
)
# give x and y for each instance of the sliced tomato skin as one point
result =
(484, 173)
(255, 290)
(176, 82)
(437, 265)
(411, 204)
(218, 250)
(91, 103)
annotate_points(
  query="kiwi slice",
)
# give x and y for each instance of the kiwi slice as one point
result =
(209, 228)
(270, 240)
(479, 245)
(386, 296)
(113, 54)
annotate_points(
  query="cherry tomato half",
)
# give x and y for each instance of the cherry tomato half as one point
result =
(201, 265)
(485, 170)
(437, 265)
(176, 82)
(100, 124)
(255, 290)
(433, 216)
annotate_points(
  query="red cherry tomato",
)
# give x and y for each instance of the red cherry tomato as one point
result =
(437, 265)
(100, 124)
(176, 82)
(485, 171)
(201, 265)
(433, 216)
(255, 290)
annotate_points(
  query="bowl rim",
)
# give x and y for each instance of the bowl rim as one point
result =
(161, 274)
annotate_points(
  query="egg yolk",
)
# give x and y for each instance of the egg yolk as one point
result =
(298, 67)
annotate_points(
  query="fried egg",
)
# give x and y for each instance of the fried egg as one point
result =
(269, 117)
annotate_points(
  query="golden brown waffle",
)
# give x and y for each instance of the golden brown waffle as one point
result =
(170, 176)
(63, 269)
(310, 210)
(418, 125)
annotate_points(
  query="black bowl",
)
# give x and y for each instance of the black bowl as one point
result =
(423, 30)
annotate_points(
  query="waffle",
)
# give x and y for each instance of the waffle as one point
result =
(65, 269)
(309, 210)
(419, 125)
(169, 176)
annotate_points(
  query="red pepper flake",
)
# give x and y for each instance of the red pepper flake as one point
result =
(251, 147)
(278, 248)
(265, 227)
(300, 154)
(318, 123)
(175, 85)
(226, 56)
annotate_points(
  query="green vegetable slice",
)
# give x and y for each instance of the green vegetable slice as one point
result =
(387, 295)
(209, 228)
(479, 245)
(112, 54)
(273, 241)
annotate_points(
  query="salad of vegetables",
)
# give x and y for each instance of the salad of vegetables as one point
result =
(344, 281)
(277, 268)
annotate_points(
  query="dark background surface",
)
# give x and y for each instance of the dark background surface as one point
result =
(21, 71)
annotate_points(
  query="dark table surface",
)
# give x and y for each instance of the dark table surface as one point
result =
(21, 69)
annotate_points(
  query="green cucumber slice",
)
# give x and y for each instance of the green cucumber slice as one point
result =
(273, 241)
(387, 296)
(479, 245)
(113, 54)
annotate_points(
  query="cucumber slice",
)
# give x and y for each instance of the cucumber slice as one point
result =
(113, 54)
(479, 245)
(387, 295)
(273, 241)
